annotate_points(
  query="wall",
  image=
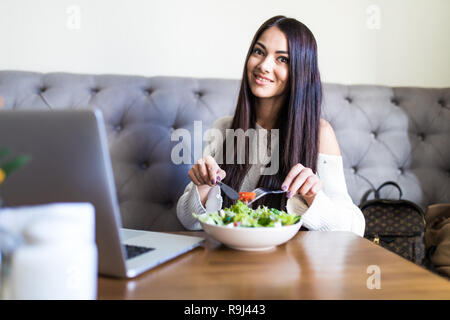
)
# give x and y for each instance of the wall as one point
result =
(387, 42)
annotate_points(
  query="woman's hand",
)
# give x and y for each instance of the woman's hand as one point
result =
(303, 181)
(206, 172)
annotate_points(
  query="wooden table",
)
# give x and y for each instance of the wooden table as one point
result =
(312, 265)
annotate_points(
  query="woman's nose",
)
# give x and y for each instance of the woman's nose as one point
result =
(267, 64)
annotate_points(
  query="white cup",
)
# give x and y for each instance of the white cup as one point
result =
(58, 257)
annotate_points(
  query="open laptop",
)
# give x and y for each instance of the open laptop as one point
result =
(71, 163)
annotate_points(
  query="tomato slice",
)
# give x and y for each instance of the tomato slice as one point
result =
(246, 196)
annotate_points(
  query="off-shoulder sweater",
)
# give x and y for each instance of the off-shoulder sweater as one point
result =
(331, 210)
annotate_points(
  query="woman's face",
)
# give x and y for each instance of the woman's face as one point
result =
(268, 64)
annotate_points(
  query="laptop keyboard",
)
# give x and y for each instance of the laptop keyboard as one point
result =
(134, 251)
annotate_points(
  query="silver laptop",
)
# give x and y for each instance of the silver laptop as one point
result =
(71, 163)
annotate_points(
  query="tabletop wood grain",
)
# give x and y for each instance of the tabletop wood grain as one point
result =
(312, 265)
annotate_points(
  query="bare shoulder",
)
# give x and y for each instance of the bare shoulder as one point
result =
(328, 143)
(223, 123)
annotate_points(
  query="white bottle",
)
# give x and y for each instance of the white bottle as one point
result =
(58, 261)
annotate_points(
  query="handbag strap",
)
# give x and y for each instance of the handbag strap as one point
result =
(392, 183)
(365, 196)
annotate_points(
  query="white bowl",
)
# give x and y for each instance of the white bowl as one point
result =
(252, 239)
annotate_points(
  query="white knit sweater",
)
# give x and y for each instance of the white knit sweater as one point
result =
(331, 210)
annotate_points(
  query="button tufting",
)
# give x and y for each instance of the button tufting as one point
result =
(169, 204)
(349, 100)
(148, 91)
(394, 101)
(118, 127)
(400, 170)
(421, 136)
(42, 89)
(143, 165)
(373, 134)
(199, 94)
(441, 102)
(95, 90)
(353, 169)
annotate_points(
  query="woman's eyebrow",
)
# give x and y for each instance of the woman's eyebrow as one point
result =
(264, 47)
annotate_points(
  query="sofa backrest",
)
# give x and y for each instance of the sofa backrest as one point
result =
(385, 133)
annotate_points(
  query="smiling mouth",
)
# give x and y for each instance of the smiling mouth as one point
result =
(260, 80)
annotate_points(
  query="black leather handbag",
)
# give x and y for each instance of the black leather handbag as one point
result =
(397, 225)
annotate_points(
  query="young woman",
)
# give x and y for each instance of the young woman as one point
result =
(280, 89)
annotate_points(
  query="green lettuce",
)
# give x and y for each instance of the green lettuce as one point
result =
(240, 215)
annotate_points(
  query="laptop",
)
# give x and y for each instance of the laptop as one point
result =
(71, 163)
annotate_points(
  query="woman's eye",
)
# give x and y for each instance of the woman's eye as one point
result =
(284, 59)
(257, 51)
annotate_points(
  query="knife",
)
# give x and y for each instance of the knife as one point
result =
(229, 192)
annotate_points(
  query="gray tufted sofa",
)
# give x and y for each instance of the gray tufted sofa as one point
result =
(385, 133)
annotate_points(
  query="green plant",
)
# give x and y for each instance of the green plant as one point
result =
(8, 167)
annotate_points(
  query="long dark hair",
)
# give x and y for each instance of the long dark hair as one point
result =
(298, 120)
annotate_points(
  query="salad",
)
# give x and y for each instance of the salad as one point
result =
(240, 215)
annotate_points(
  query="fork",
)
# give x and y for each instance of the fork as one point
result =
(261, 192)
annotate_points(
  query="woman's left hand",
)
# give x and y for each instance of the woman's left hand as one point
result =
(302, 180)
